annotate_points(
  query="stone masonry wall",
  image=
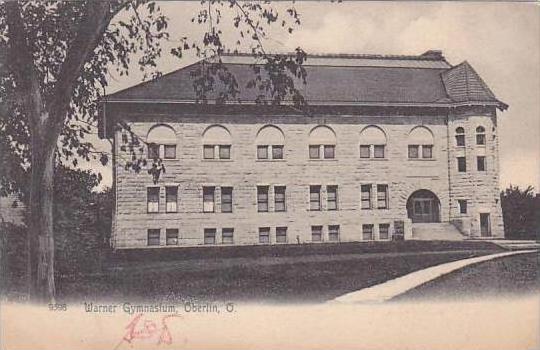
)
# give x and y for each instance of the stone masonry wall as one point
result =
(244, 172)
(479, 188)
(190, 172)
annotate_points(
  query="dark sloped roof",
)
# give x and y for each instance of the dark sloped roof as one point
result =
(463, 84)
(341, 79)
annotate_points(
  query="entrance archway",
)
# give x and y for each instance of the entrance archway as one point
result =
(424, 206)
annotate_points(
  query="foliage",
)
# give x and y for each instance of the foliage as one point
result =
(135, 38)
(521, 213)
(12, 258)
(82, 220)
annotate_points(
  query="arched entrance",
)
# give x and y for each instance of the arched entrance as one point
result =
(423, 206)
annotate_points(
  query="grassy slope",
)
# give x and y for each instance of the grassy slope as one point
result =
(295, 273)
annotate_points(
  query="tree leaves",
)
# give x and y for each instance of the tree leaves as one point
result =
(136, 39)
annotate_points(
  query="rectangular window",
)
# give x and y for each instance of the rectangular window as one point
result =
(153, 236)
(382, 196)
(481, 163)
(365, 151)
(152, 199)
(153, 151)
(384, 231)
(262, 152)
(227, 236)
(329, 151)
(281, 235)
(224, 152)
(427, 151)
(365, 196)
(316, 233)
(367, 232)
(480, 139)
(314, 197)
(332, 197)
(170, 151)
(333, 233)
(262, 198)
(461, 164)
(460, 140)
(208, 152)
(171, 199)
(277, 152)
(279, 198)
(208, 199)
(462, 204)
(413, 151)
(226, 199)
(209, 236)
(378, 151)
(264, 235)
(314, 152)
(171, 235)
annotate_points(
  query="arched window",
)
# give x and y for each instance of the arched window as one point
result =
(217, 143)
(372, 142)
(460, 136)
(480, 135)
(420, 143)
(322, 143)
(161, 141)
(270, 141)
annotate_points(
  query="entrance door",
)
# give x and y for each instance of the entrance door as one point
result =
(423, 206)
(423, 210)
(485, 225)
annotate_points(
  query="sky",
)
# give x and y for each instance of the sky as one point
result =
(500, 40)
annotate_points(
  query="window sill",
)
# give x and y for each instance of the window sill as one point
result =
(270, 160)
(323, 160)
(374, 159)
(422, 159)
(217, 160)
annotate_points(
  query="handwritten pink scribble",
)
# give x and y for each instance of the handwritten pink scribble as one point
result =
(141, 328)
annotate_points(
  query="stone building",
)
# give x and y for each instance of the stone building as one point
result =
(12, 209)
(390, 147)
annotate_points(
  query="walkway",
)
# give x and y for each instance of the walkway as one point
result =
(390, 289)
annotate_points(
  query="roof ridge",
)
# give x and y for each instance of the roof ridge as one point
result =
(431, 55)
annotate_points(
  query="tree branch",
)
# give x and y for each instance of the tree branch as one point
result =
(22, 65)
(249, 21)
(98, 15)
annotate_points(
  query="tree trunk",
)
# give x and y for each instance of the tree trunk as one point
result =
(40, 235)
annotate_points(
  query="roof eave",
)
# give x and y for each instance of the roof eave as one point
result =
(498, 104)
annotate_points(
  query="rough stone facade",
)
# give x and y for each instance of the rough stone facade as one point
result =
(244, 172)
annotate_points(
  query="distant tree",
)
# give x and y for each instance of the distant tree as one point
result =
(59, 54)
(82, 219)
(521, 212)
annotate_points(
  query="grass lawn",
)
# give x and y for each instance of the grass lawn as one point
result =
(293, 273)
(503, 277)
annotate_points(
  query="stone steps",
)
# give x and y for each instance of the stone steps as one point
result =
(440, 231)
(517, 245)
